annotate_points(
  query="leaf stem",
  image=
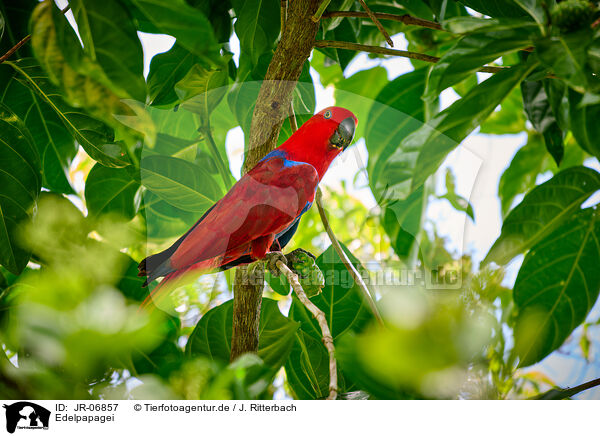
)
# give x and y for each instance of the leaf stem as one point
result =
(317, 16)
(338, 248)
(321, 319)
(205, 130)
(393, 52)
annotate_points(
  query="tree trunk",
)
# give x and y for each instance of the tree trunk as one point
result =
(272, 107)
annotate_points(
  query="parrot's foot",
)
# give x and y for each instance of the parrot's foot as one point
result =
(271, 262)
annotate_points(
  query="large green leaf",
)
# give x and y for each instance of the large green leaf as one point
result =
(189, 25)
(96, 138)
(111, 191)
(53, 141)
(347, 30)
(16, 19)
(113, 43)
(473, 51)
(201, 90)
(447, 129)
(557, 286)
(584, 123)
(217, 12)
(166, 69)
(20, 179)
(542, 210)
(179, 182)
(535, 8)
(212, 335)
(539, 111)
(162, 220)
(257, 26)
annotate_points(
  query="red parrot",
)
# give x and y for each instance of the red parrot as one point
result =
(260, 213)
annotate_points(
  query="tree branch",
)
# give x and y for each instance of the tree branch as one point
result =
(373, 18)
(393, 52)
(320, 317)
(406, 19)
(561, 394)
(272, 107)
(338, 248)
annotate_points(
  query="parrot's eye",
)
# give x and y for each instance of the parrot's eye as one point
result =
(327, 115)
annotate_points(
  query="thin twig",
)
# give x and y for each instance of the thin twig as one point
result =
(406, 19)
(320, 317)
(373, 18)
(24, 41)
(293, 121)
(317, 16)
(394, 52)
(560, 394)
(338, 248)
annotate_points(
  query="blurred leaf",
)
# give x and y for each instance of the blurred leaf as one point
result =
(53, 141)
(81, 80)
(217, 12)
(542, 210)
(535, 9)
(21, 181)
(212, 335)
(557, 286)
(166, 69)
(96, 138)
(111, 191)
(473, 51)
(180, 183)
(497, 8)
(189, 25)
(402, 220)
(16, 25)
(539, 112)
(459, 203)
(448, 128)
(112, 43)
(584, 123)
(257, 26)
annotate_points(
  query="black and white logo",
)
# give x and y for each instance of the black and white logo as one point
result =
(26, 415)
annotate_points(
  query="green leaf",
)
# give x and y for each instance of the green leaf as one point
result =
(180, 183)
(21, 179)
(111, 191)
(473, 51)
(447, 129)
(402, 220)
(397, 112)
(81, 80)
(166, 69)
(16, 25)
(539, 112)
(212, 335)
(566, 56)
(113, 43)
(510, 119)
(584, 123)
(497, 8)
(217, 12)
(535, 9)
(163, 220)
(187, 24)
(459, 203)
(557, 286)
(340, 299)
(201, 90)
(347, 31)
(542, 210)
(53, 140)
(96, 138)
(167, 145)
(257, 26)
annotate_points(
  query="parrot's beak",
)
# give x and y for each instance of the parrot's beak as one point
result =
(343, 135)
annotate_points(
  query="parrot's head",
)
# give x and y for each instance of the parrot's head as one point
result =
(325, 135)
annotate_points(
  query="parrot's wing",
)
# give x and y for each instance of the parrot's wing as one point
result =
(263, 202)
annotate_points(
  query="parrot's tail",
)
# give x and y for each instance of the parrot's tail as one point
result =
(159, 292)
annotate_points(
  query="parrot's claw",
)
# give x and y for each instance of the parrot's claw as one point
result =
(271, 262)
